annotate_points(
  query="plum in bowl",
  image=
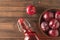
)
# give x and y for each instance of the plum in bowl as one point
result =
(49, 22)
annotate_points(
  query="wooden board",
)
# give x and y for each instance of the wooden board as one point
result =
(12, 10)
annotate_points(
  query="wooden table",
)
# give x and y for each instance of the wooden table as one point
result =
(12, 10)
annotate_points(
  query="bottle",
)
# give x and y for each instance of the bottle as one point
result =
(25, 27)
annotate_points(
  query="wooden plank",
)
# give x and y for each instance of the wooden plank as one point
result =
(15, 19)
(10, 4)
(19, 3)
(12, 0)
(51, 3)
(12, 9)
(9, 30)
(11, 38)
(15, 14)
(7, 26)
(12, 14)
(14, 4)
(8, 0)
(10, 35)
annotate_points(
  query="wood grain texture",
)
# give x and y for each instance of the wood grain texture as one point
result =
(12, 10)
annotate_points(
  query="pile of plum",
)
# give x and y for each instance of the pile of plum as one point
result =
(50, 22)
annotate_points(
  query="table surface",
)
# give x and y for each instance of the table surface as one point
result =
(12, 10)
